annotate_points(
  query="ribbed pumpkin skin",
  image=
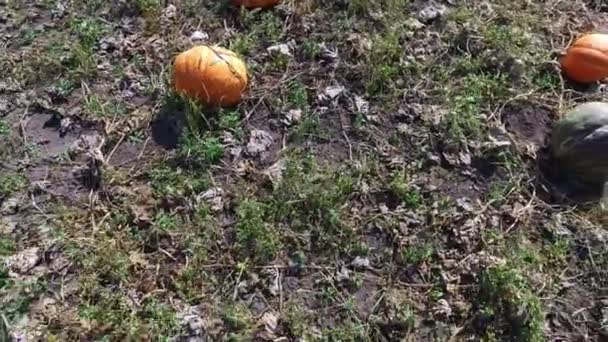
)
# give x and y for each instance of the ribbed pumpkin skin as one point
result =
(250, 4)
(580, 143)
(587, 59)
(214, 75)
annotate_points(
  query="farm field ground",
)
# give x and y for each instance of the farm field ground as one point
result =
(385, 178)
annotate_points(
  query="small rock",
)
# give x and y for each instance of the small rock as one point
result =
(343, 274)
(275, 172)
(169, 12)
(9, 206)
(361, 105)
(465, 204)
(191, 318)
(270, 321)
(108, 43)
(8, 224)
(435, 158)
(442, 309)
(198, 37)
(331, 92)
(280, 49)
(404, 128)
(4, 106)
(259, 141)
(87, 143)
(414, 24)
(465, 158)
(64, 125)
(214, 197)
(59, 11)
(431, 12)
(292, 117)
(329, 54)
(360, 263)
(24, 261)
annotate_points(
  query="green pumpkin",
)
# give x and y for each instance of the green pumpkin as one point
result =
(579, 143)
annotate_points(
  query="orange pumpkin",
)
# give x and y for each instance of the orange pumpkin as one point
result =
(214, 75)
(256, 3)
(587, 59)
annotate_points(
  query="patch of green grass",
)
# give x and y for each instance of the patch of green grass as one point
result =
(418, 254)
(278, 63)
(99, 108)
(64, 86)
(242, 44)
(547, 80)
(509, 302)
(160, 320)
(507, 37)
(108, 262)
(28, 36)
(18, 305)
(347, 331)
(256, 236)
(311, 198)
(461, 15)
(7, 246)
(11, 183)
(311, 49)
(230, 120)
(297, 321)
(167, 181)
(148, 7)
(498, 192)
(136, 136)
(5, 128)
(297, 96)
(382, 66)
(239, 320)
(89, 30)
(557, 251)
(401, 188)
(83, 63)
(105, 306)
(199, 149)
(468, 101)
(166, 222)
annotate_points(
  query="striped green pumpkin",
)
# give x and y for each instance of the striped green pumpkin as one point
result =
(580, 143)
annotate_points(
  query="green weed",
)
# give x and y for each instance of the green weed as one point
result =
(167, 181)
(11, 183)
(28, 292)
(201, 149)
(64, 86)
(5, 128)
(508, 300)
(242, 44)
(418, 254)
(254, 234)
(477, 91)
(401, 188)
(383, 63)
(98, 108)
(89, 30)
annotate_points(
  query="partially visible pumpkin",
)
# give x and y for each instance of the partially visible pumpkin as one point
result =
(587, 58)
(579, 143)
(256, 3)
(214, 75)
